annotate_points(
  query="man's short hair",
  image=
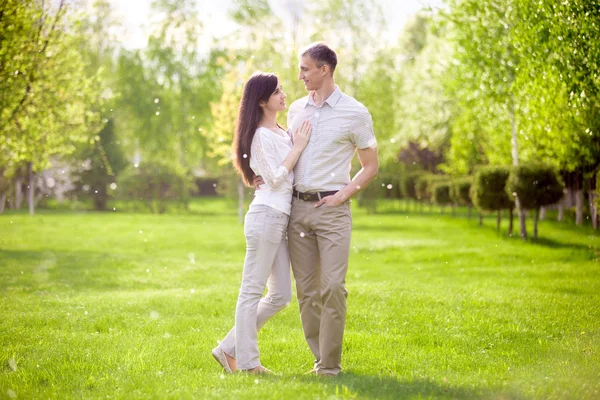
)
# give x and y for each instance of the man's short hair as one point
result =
(322, 54)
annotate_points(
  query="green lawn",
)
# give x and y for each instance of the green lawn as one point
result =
(115, 305)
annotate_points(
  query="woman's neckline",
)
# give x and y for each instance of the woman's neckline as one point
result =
(278, 133)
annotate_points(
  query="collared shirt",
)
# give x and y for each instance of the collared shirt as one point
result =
(339, 126)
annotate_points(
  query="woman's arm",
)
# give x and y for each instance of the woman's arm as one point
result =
(264, 153)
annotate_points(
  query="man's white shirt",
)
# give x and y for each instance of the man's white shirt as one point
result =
(339, 126)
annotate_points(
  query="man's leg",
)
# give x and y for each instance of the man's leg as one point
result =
(333, 236)
(304, 255)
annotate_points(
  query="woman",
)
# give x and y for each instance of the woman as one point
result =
(262, 147)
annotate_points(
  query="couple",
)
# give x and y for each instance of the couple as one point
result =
(304, 180)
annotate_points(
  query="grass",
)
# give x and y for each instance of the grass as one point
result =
(117, 305)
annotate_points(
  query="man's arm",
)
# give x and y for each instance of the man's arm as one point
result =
(370, 165)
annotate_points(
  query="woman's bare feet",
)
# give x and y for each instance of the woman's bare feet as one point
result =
(231, 361)
(260, 370)
(227, 362)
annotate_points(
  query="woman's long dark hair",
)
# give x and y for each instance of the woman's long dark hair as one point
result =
(259, 88)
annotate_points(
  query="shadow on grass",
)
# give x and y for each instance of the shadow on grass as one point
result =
(379, 228)
(542, 241)
(349, 385)
(550, 243)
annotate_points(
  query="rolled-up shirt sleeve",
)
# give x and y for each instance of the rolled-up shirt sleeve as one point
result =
(263, 152)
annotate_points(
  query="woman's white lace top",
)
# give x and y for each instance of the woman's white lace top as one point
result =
(267, 153)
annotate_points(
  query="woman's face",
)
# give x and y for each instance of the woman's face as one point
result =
(277, 100)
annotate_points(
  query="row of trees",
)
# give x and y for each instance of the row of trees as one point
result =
(508, 82)
(490, 189)
(474, 83)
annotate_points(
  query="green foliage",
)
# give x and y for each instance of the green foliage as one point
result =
(441, 193)
(536, 185)
(524, 69)
(166, 90)
(563, 40)
(387, 185)
(460, 191)
(424, 109)
(261, 30)
(103, 161)
(425, 185)
(155, 184)
(378, 92)
(342, 25)
(411, 183)
(46, 96)
(488, 191)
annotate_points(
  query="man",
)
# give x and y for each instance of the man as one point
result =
(320, 222)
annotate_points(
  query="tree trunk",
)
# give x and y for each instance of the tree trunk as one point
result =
(561, 210)
(241, 202)
(522, 218)
(510, 221)
(498, 217)
(18, 192)
(31, 189)
(480, 219)
(513, 132)
(3, 191)
(543, 213)
(579, 207)
(515, 157)
(592, 195)
(535, 224)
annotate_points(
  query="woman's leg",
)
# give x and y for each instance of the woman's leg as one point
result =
(279, 287)
(264, 235)
(279, 295)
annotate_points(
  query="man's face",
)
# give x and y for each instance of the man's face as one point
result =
(310, 74)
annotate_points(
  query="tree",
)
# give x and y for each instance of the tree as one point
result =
(423, 107)
(102, 154)
(460, 193)
(352, 28)
(441, 194)
(533, 66)
(563, 123)
(488, 62)
(262, 31)
(535, 186)
(104, 160)
(46, 93)
(488, 192)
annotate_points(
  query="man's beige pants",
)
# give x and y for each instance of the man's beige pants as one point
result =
(319, 245)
